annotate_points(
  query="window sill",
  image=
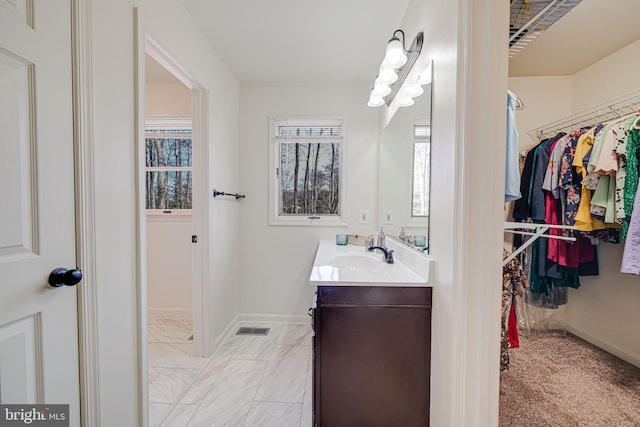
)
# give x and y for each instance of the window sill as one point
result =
(306, 222)
(174, 216)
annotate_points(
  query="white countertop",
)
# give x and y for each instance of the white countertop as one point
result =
(351, 265)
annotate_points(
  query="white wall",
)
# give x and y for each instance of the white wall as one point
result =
(277, 259)
(605, 308)
(171, 26)
(116, 269)
(167, 99)
(169, 266)
(612, 76)
(535, 93)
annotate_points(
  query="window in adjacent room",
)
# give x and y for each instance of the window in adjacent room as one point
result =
(306, 184)
(169, 174)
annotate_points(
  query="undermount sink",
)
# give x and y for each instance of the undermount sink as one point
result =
(353, 265)
(358, 261)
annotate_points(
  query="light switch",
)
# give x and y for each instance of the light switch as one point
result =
(364, 216)
(388, 217)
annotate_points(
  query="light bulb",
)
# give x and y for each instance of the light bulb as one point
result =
(386, 77)
(395, 53)
(375, 101)
(406, 101)
(416, 91)
(381, 90)
(385, 64)
(424, 78)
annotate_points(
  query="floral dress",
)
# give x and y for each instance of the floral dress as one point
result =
(631, 180)
(514, 282)
(569, 180)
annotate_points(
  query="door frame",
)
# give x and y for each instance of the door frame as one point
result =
(85, 210)
(201, 295)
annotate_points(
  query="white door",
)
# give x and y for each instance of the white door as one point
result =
(38, 323)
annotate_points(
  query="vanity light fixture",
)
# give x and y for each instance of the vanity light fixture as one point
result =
(388, 81)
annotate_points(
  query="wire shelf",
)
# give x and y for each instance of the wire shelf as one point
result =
(530, 18)
(615, 108)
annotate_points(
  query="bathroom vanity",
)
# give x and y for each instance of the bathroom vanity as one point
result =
(372, 340)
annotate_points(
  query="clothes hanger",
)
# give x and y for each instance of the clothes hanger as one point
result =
(519, 103)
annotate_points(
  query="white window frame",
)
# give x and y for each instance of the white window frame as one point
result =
(420, 221)
(163, 123)
(275, 218)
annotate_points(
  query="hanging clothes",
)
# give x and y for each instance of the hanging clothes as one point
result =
(631, 180)
(587, 179)
(631, 254)
(514, 282)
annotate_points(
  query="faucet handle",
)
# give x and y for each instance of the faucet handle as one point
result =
(389, 259)
(368, 243)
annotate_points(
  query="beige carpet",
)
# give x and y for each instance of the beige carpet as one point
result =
(557, 380)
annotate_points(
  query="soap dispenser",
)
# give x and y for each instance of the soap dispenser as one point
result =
(381, 237)
(403, 237)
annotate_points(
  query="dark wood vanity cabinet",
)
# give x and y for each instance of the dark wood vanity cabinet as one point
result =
(372, 356)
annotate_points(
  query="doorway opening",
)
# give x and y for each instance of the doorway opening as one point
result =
(172, 130)
(168, 202)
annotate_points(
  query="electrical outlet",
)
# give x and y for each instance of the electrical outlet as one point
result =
(388, 217)
(364, 216)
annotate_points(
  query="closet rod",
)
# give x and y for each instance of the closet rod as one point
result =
(540, 229)
(614, 108)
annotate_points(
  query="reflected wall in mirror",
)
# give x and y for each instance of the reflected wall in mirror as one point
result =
(404, 172)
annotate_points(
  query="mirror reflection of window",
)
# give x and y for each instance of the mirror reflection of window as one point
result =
(421, 155)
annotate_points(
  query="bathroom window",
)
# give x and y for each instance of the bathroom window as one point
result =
(169, 165)
(306, 159)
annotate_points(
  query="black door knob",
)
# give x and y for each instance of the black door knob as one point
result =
(62, 276)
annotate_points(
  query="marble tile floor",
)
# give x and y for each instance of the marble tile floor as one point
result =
(250, 381)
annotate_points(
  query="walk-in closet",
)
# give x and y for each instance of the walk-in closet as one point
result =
(571, 295)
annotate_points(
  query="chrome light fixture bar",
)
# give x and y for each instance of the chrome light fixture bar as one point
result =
(394, 69)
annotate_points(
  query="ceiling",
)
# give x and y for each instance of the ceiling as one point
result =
(593, 30)
(340, 40)
(300, 40)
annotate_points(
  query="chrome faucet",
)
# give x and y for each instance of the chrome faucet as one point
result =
(387, 255)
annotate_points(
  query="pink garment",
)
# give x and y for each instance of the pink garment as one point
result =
(608, 161)
(565, 253)
(514, 341)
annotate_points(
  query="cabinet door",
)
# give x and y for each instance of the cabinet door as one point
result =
(372, 365)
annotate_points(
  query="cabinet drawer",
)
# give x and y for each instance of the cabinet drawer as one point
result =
(374, 295)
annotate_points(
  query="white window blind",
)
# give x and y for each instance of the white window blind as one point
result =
(307, 168)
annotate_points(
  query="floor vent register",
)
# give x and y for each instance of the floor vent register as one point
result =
(252, 331)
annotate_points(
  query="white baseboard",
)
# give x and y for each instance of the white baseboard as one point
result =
(170, 313)
(623, 354)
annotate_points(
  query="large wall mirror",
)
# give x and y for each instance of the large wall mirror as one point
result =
(404, 171)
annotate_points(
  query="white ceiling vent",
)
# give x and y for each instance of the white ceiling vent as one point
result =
(530, 18)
